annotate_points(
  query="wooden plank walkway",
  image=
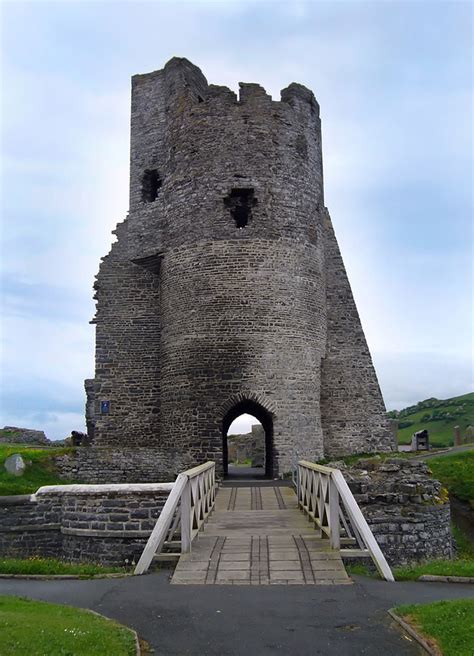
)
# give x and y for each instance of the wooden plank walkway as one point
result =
(258, 536)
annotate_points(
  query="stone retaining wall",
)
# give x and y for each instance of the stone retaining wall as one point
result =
(122, 465)
(30, 527)
(79, 523)
(407, 510)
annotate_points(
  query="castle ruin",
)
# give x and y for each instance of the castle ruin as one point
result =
(225, 291)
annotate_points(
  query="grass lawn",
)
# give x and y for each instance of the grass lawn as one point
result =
(36, 565)
(40, 468)
(450, 623)
(458, 567)
(36, 628)
(460, 409)
(456, 472)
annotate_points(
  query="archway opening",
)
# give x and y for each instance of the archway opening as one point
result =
(247, 436)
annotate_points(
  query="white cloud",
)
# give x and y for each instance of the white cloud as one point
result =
(56, 425)
(242, 425)
(406, 378)
(392, 117)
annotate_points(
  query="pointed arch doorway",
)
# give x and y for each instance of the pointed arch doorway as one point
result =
(263, 416)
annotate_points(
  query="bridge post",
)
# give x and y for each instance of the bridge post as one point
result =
(334, 524)
(186, 518)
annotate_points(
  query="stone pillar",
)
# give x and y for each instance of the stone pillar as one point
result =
(457, 436)
(393, 423)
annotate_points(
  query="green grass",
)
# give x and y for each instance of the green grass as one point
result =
(9, 435)
(36, 628)
(464, 545)
(51, 566)
(456, 472)
(436, 568)
(361, 569)
(355, 457)
(461, 409)
(463, 565)
(450, 623)
(40, 468)
(458, 567)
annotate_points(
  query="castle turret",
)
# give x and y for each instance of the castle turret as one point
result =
(225, 291)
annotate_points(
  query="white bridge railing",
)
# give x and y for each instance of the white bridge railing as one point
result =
(325, 497)
(194, 491)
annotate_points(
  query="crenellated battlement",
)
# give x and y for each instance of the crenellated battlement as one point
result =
(179, 77)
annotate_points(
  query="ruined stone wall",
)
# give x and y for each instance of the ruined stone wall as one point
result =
(352, 408)
(407, 510)
(123, 464)
(216, 287)
(249, 446)
(127, 351)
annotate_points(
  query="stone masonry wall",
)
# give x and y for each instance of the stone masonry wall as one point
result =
(110, 527)
(127, 351)
(122, 465)
(407, 511)
(352, 408)
(225, 283)
(30, 527)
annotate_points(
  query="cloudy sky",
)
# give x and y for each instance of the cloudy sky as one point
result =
(394, 83)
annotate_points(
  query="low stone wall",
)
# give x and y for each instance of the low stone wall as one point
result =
(29, 527)
(107, 524)
(90, 464)
(406, 509)
(408, 512)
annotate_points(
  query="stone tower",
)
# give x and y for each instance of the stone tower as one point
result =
(225, 291)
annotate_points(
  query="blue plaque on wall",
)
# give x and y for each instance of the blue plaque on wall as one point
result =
(104, 407)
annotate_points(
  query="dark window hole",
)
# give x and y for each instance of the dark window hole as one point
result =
(240, 203)
(151, 183)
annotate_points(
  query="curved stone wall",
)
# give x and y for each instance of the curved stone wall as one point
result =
(226, 280)
(259, 328)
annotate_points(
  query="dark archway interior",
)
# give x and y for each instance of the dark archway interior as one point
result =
(264, 417)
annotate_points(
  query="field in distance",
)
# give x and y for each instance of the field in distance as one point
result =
(439, 417)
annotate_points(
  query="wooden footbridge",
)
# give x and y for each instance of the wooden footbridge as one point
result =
(263, 535)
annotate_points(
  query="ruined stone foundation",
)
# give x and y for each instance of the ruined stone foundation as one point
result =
(225, 291)
(407, 510)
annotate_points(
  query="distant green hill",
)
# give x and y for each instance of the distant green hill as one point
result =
(438, 417)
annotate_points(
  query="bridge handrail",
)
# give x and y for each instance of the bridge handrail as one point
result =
(195, 490)
(323, 494)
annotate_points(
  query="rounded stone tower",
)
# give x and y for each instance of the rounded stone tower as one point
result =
(225, 291)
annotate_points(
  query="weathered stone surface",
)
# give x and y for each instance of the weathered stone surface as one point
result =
(23, 436)
(250, 446)
(123, 464)
(15, 465)
(225, 289)
(108, 527)
(407, 510)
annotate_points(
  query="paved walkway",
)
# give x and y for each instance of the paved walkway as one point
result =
(221, 620)
(446, 452)
(258, 536)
